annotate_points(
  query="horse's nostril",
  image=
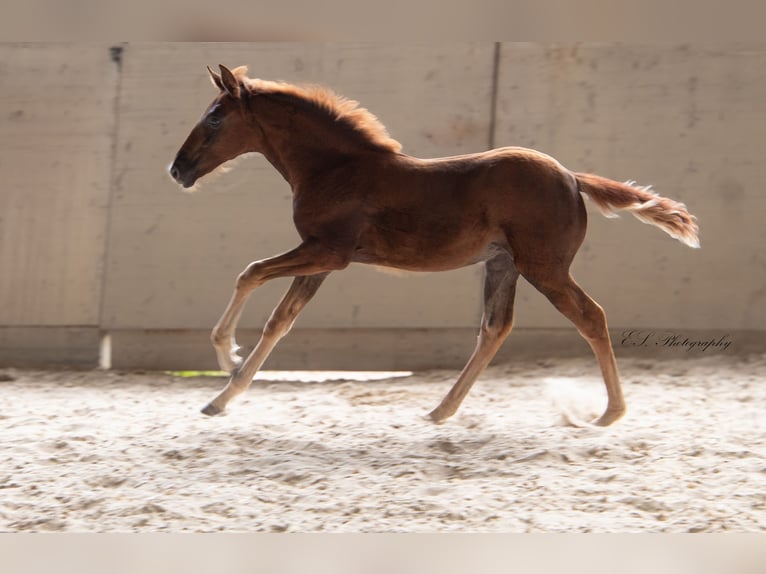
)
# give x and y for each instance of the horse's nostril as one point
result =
(174, 173)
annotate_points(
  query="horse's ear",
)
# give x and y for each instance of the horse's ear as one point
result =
(215, 79)
(230, 83)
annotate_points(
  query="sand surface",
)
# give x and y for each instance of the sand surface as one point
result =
(121, 452)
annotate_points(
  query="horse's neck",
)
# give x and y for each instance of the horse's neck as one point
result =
(301, 145)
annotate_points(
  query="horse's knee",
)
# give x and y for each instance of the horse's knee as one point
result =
(277, 326)
(244, 278)
(248, 279)
(217, 337)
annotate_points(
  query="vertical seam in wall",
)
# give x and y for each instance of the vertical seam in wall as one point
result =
(491, 139)
(117, 54)
(493, 94)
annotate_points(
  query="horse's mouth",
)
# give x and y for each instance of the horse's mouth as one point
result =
(184, 178)
(188, 182)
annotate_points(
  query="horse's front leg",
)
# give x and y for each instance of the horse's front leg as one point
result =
(222, 336)
(310, 264)
(293, 262)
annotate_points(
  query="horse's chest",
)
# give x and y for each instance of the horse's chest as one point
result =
(328, 218)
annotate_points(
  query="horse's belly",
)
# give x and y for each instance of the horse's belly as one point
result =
(412, 253)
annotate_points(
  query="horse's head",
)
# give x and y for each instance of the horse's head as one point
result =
(222, 133)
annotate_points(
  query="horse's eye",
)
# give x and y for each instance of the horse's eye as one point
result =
(213, 122)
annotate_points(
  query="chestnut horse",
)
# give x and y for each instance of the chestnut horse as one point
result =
(357, 198)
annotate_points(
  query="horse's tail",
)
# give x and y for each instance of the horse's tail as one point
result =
(670, 216)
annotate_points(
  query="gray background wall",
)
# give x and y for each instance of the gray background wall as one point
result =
(95, 238)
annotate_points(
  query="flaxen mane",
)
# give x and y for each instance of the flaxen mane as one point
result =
(337, 107)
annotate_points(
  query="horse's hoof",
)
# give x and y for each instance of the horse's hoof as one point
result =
(435, 417)
(609, 417)
(211, 410)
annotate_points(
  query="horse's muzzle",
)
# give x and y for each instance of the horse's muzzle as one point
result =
(182, 172)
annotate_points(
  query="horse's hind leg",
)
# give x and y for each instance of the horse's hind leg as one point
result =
(590, 320)
(282, 318)
(499, 293)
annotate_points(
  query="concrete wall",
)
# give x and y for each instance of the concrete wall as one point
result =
(56, 137)
(690, 121)
(95, 238)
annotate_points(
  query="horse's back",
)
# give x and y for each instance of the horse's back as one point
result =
(511, 186)
(454, 208)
